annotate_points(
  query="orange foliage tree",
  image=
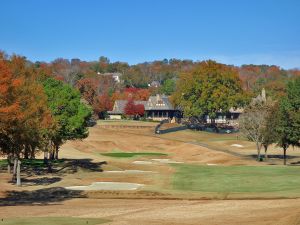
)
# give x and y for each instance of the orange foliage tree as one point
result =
(25, 118)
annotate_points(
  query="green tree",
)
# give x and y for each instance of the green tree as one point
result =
(289, 117)
(69, 112)
(169, 86)
(269, 133)
(209, 89)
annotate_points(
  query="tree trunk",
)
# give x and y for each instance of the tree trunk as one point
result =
(56, 151)
(15, 169)
(214, 125)
(26, 153)
(258, 147)
(32, 152)
(284, 156)
(8, 168)
(266, 153)
(49, 166)
(51, 156)
(19, 173)
(9, 164)
(46, 158)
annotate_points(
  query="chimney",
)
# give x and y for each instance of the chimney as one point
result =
(157, 97)
(263, 95)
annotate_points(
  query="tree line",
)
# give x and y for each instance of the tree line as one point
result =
(101, 91)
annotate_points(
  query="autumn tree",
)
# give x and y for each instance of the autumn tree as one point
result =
(68, 71)
(88, 87)
(134, 110)
(25, 117)
(10, 109)
(252, 124)
(256, 124)
(209, 89)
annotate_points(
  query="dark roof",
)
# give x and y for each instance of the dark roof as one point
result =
(155, 83)
(159, 102)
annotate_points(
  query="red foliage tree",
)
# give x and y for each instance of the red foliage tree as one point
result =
(88, 87)
(139, 109)
(104, 103)
(130, 108)
(135, 110)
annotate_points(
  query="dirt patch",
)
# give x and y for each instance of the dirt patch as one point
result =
(169, 212)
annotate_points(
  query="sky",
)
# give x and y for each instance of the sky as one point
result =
(134, 31)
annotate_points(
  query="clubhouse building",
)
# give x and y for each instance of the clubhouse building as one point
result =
(157, 108)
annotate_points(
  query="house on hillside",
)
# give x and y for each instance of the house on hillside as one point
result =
(154, 83)
(115, 76)
(157, 108)
(231, 117)
(261, 98)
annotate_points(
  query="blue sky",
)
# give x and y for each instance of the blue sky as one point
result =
(229, 31)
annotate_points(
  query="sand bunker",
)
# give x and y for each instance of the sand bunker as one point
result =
(129, 171)
(112, 186)
(155, 161)
(237, 145)
(142, 162)
(165, 161)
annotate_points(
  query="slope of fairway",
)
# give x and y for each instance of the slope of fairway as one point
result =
(238, 179)
(132, 154)
(52, 221)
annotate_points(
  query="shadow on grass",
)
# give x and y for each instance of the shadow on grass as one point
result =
(295, 163)
(35, 173)
(36, 167)
(169, 130)
(40, 181)
(275, 156)
(87, 164)
(39, 197)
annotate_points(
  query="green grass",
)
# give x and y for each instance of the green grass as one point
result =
(237, 179)
(132, 154)
(3, 162)
(52, 221)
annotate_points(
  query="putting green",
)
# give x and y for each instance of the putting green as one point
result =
(52, 221)
(237, 179)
